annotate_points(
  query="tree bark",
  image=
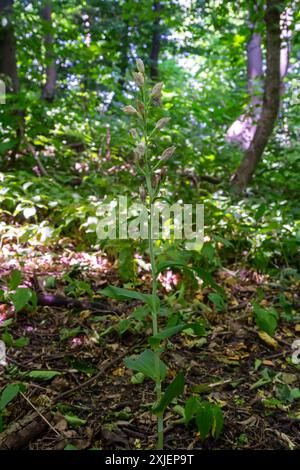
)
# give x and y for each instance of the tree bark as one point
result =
(156, 43)
(242, 131)
(271, 99)
(9, 71)
(48, 92)
(124, 54)
(8, 61)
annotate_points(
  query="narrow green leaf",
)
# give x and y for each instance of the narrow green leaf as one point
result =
(120, 293)
(42, 374)
(218, 421)
(164, 334)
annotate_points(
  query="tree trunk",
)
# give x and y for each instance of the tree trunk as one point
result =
(9, 71)
(271, 100)
(242, 131)
(8, 61)
(48, 92)
(124, 54)
(155, 47)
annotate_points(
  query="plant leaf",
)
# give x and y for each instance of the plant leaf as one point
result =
(265, 318)
(218, 421)
(42, 374)
(173, 390)
(166, 333)
(8, 394)
(15, 279)
(204, 419)
(145, 363)
(21, 298)
(191, 407)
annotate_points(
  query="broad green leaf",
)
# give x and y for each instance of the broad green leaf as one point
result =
(204, 419)
(21, 298)
(173, 390)
(191, 407)
(145, 363)
(166, 333)
(8, 394)
(15, 279)
(266, 319)
(21, 342)
(42, 374)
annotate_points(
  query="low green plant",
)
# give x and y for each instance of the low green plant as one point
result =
(20, 297)
(207, 416)
(7, 395)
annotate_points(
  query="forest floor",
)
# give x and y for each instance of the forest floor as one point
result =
(92, 403)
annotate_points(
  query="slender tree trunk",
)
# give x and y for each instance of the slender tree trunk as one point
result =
(271, 100)
(8, 61)
(156, 43)
(9, 70)
(48, 92)
(242, 131)
(124, 54)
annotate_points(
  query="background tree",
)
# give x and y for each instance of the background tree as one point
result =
(271, 100)
(48, 91)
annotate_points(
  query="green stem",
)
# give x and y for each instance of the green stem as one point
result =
(160, 431)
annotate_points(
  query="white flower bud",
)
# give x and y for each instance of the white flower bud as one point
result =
(156, 90)
(162, 123)
(133, 133)
(140, 65)
(140, 149)
(129, 110)
(138, 78)
(168, 153)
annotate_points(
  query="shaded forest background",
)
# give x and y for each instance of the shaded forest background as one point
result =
(231, 88)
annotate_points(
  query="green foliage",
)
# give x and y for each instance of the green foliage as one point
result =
(173, 390)
(146, 364)
(208, 417)
(8, 394)
(266, 318)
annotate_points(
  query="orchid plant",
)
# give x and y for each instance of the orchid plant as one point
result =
(153, 170)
